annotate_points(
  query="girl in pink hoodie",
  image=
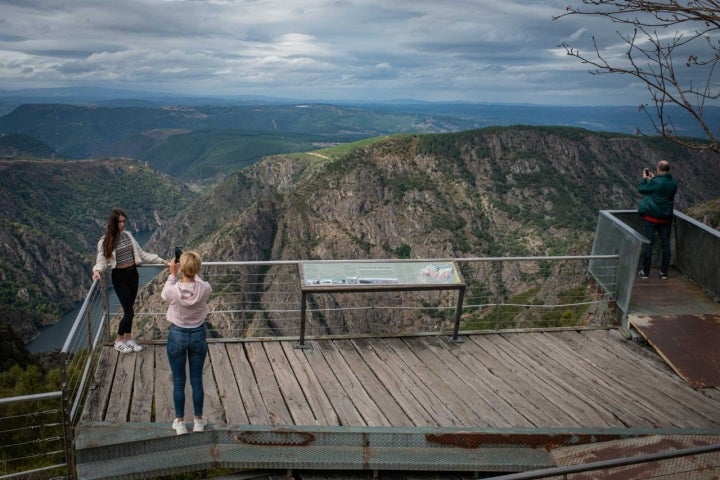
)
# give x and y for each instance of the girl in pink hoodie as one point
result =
(187, 337)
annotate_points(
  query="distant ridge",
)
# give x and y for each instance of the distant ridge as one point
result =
(467, 115)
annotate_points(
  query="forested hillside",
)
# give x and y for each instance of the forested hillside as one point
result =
(54, 213)
(197, 142)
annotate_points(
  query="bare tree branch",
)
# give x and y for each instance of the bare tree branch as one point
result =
(664, 36)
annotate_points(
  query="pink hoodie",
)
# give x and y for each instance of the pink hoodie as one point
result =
(188, 301)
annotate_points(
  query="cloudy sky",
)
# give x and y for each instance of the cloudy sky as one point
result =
(437, 50)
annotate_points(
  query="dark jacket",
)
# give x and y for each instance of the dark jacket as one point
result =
(659, 196)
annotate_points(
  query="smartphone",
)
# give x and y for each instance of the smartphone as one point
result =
(178, 251)
(646, 172)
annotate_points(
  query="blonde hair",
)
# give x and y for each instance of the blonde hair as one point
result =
(190, 263)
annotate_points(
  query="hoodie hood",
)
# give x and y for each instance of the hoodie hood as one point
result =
(188, 302)
(188, 293)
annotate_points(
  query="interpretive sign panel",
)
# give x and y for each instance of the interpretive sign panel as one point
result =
(341, 277)
(379, 273)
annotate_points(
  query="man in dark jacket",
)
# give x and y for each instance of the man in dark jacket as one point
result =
(656, 209)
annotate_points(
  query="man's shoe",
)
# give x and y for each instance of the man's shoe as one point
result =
(199, 425)
(663, 276)
(134, 346)
(643, 275)
(122, 347)
(179, 427)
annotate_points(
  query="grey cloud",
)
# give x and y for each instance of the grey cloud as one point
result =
(503, 50)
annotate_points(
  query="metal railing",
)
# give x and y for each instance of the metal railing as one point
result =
(621, 232)
(33, 438)
(45, 421)
(262, 299)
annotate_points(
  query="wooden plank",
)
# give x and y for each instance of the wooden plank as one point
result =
(651, 413)
(560, 391)
(394, 384)
(664, 395)
(465, 389)
(144, 385)
(669, 386)
(297, 405)
(250, 394)
(622, 377)
(345, 409)
(415, 382)
(99, 394)
(315, 395)
(478, 373)
(212, 407)
(595, 382)
(164, 407)
(516, 378)
(440, 382)
(354, 389)
(374, 388)
(554, 389)
(653, 398)
(228, 392)
(121, 394)
(268, 385)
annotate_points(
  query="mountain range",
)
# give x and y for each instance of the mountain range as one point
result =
(301, 181)
(204, 139)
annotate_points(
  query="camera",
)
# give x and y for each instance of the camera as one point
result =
(646, 172)
(178, 252)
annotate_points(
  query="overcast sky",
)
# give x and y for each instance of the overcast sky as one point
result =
(438, 50)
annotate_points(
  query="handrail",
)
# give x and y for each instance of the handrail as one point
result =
(81, 347)
(31, 398)
(605, 464)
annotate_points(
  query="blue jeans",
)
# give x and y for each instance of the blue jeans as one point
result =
(187, 345)
(663, 231)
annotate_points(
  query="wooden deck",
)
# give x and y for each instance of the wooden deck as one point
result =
(565, 379)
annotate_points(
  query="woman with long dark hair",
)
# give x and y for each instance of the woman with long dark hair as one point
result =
(119, 252)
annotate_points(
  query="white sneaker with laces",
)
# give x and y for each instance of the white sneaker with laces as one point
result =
(122, 347)
(199, 425)
(134, 346)
(179, 427)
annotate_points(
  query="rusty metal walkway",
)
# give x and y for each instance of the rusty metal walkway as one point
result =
(682, 323)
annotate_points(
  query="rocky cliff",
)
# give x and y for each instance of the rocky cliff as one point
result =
(494, 192)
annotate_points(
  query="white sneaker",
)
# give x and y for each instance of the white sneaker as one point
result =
(179, 427)
(199, 425)
(122, 347)
(134, 346)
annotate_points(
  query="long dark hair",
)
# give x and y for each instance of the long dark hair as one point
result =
(112, 232)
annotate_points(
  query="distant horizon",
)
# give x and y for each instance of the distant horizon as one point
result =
(113, 93)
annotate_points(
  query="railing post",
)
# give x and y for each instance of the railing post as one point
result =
(88, 321)
(458, 314)
(67, 420)
(303, 309)
(105, 305)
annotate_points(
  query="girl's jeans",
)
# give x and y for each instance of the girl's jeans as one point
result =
(187, 345)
